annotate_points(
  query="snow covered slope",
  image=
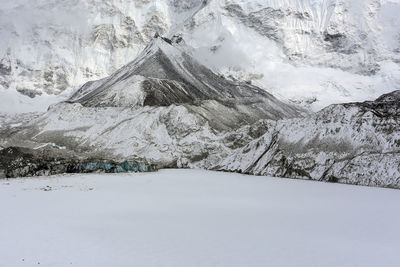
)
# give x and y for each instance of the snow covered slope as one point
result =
(313, 52)
(356, 143)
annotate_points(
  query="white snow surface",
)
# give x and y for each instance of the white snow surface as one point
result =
(195, 218)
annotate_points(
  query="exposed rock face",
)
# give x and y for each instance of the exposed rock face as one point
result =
(5, 66)
(357, 143)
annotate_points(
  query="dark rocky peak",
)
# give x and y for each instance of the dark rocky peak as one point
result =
(176, 39)
(393, 96)
(386, 106)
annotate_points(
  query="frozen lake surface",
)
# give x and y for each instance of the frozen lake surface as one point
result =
(195, 218)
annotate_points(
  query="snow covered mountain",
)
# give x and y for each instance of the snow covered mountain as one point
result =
(315, 53)
(164, 75)
(198, 91)
(165, 109)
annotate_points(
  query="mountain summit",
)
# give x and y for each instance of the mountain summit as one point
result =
(164, 74)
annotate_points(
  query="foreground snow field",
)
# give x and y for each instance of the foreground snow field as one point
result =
(195, 218)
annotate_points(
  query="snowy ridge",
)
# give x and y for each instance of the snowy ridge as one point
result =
(356, 143)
